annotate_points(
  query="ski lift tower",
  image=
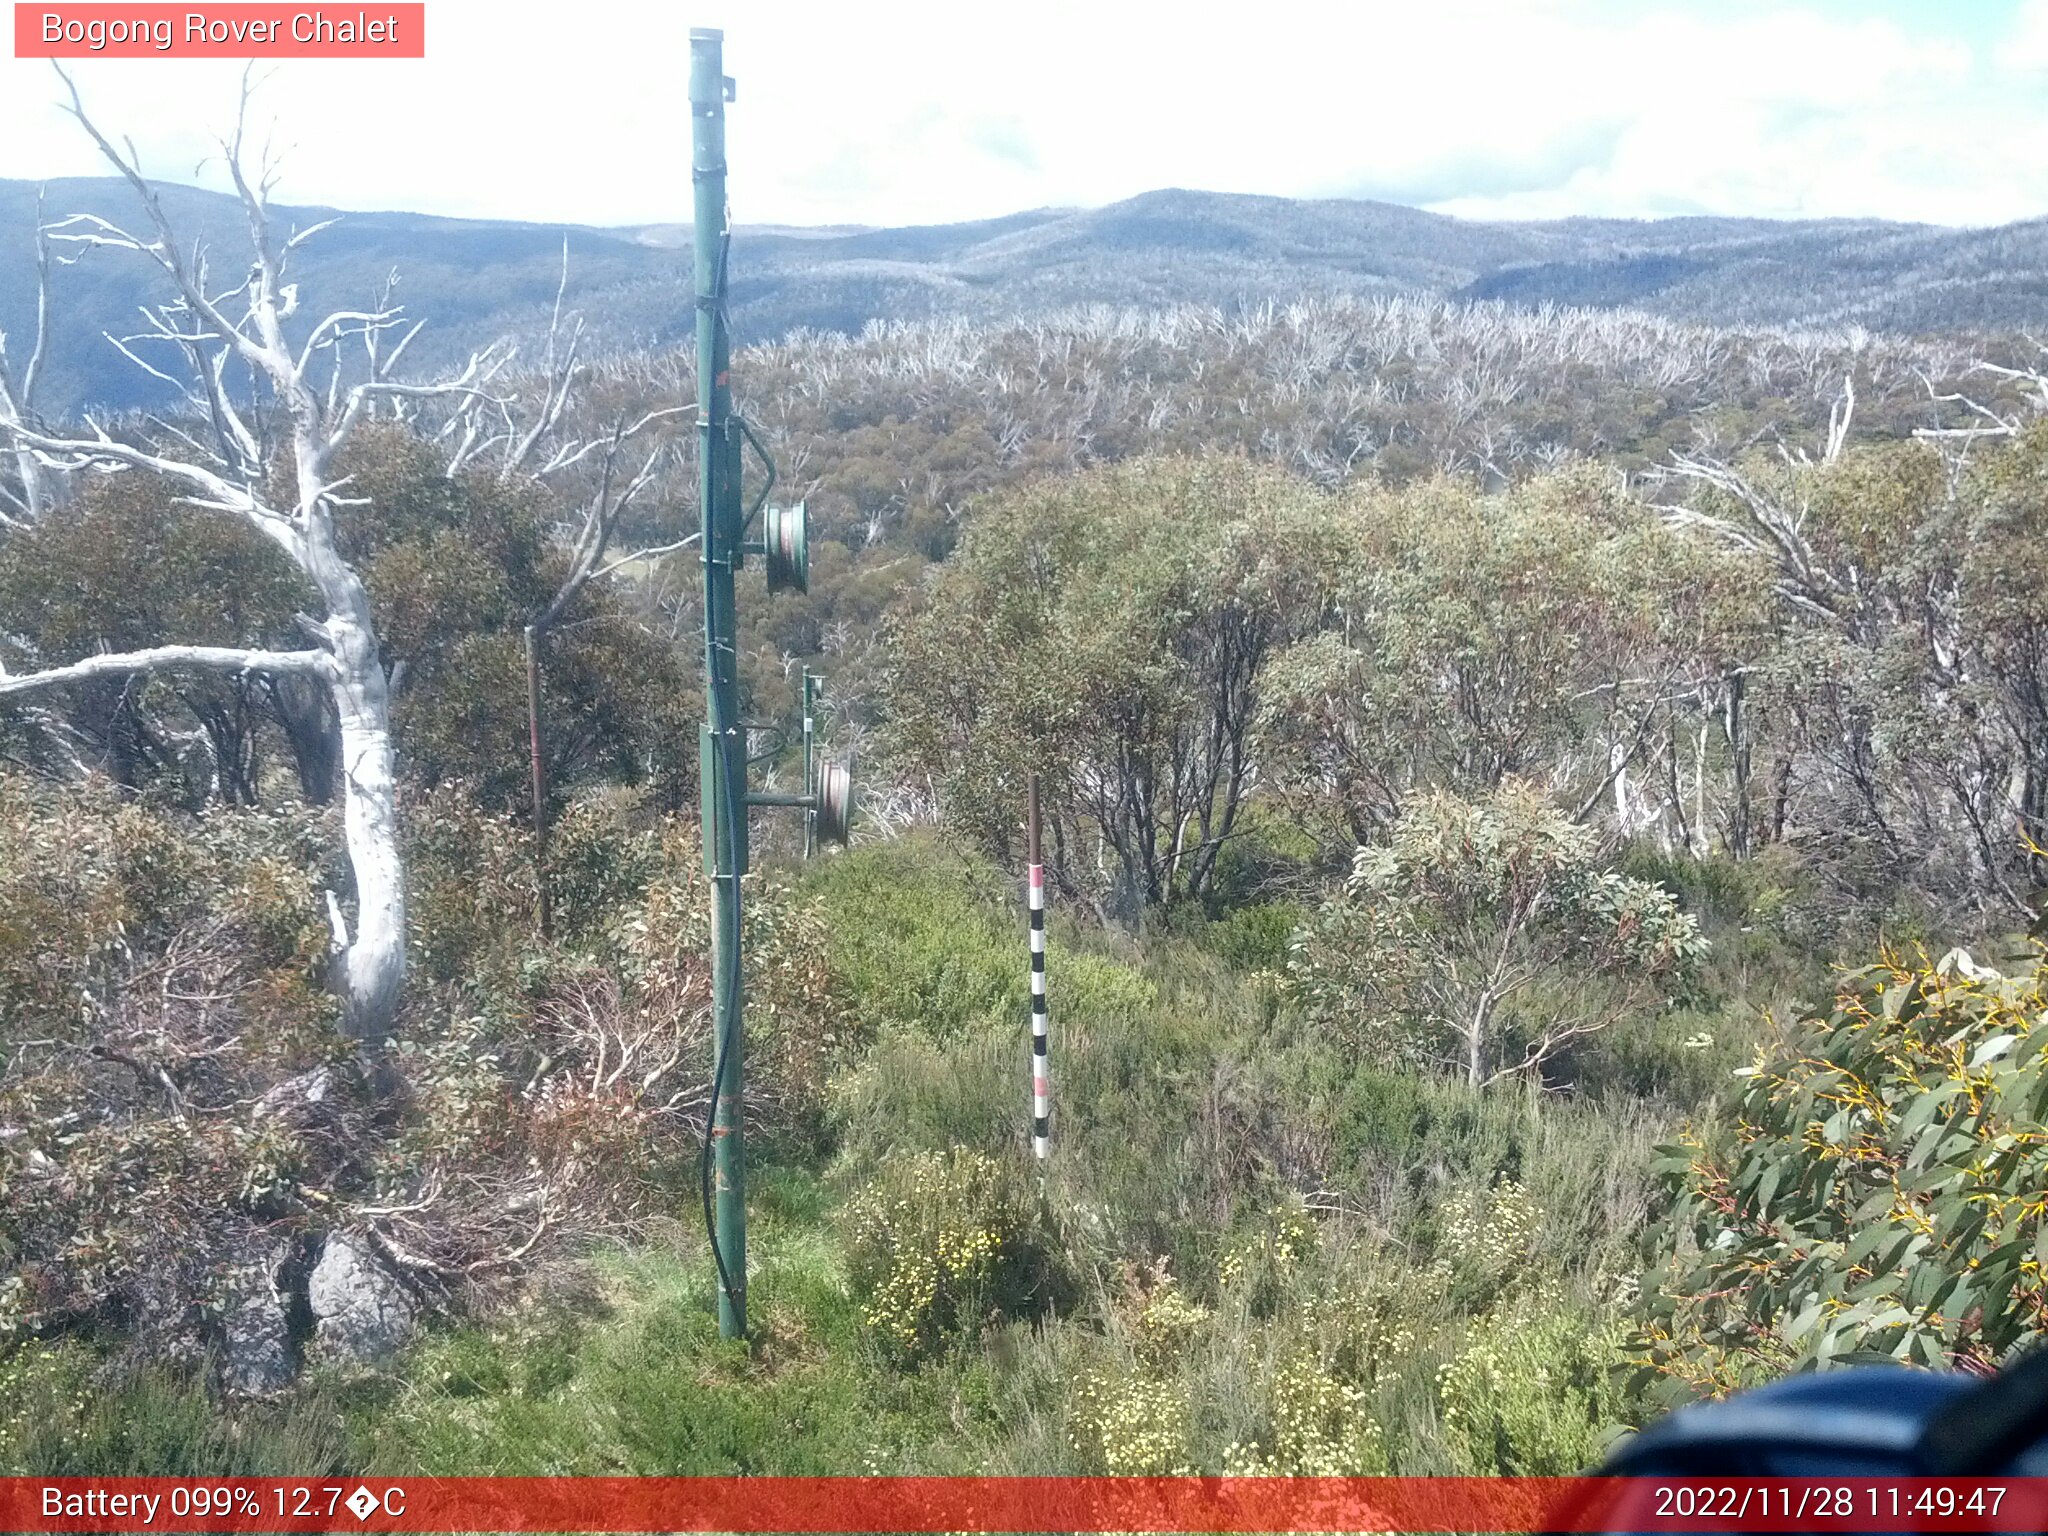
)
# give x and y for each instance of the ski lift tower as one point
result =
(722, 759)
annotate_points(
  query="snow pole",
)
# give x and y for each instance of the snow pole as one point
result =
(1041, 1035)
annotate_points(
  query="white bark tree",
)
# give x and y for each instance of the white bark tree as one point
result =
(267, 456)
(22, 503)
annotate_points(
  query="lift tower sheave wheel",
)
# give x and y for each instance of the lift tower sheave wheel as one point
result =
(786, 548)
(834, 804)
(723, 800)
(722, 756)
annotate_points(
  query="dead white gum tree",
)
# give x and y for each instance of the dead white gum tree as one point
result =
(265, 452)
(24, 501)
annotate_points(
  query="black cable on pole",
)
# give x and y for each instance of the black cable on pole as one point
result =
(721, 1051)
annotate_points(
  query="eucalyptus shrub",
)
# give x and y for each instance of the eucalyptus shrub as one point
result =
(1484, 935)
(1880, 1196)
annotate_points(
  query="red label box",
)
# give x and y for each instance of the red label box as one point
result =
(233, 31)
(375, 1506)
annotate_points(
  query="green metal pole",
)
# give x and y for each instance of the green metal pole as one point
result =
(723, 787)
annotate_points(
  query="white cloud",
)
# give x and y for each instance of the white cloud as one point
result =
(911, 110)
(2026, 48)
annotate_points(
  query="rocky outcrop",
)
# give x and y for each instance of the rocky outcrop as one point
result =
(257, 1351)
(362, 1314)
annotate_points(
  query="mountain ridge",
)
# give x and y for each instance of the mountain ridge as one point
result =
(476, 279)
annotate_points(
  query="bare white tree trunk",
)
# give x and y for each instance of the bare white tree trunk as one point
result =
(24, 504)
(1624, 812)
(374, 963)
(230, 469)
(1475, 1040)
(1697, 843)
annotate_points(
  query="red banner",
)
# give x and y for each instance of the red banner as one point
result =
(920, 1504)
(232, 31)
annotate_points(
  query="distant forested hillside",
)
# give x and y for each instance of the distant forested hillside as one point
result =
(478, 280)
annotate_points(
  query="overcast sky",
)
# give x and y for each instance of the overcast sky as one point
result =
(894, 111)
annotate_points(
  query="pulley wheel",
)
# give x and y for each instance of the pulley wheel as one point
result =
(835, 804)
(785, 537)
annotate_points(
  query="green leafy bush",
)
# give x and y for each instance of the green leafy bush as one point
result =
(920, 941)
(604, 851)
(1112, 626)
(1878, 1196)
(1330, 1352)
(456, 569)
(1531, 1393)
(932, 942)
(1483, 935)
(1255, 938)
(1130, 1425)
(121, 565)
(939, 1244)
(470, 891)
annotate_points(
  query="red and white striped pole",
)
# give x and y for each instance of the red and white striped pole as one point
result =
(1041, 1042)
